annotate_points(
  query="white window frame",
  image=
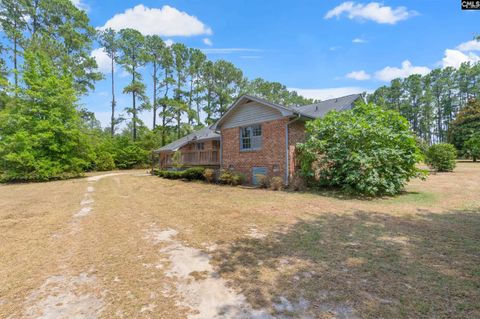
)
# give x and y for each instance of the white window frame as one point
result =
(254, 135)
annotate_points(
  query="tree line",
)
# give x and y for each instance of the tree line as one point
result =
(185, 83)
(46, 67)
(432, 102)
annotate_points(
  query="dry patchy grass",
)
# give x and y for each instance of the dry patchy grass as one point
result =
(415, 255)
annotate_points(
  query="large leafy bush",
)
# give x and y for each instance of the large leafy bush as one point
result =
(471, 147)
(465, 125)
(104, 162)
(367, 150)
(441, 157)
(125, 152)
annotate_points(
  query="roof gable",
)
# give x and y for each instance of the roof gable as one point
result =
(249, 109)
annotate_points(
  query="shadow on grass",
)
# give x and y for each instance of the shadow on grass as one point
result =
(376, 265)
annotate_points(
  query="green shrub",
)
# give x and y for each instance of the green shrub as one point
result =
(209, 175)
(465, 125)
(130, 156)
(194, 173)
(366, 150)
(276, 183)
(225, 177)
(441, 157)
(177, 160)
(262, 180)
(104, 162)
(471, 148)
(231, 178)
(238, 179)
(297, 183)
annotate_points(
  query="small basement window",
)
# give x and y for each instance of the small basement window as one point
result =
(251, 138)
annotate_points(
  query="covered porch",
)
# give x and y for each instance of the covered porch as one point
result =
(190, 158)
(200, 148)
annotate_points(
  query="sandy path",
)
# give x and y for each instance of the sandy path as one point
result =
(65, 295)
(187, 277)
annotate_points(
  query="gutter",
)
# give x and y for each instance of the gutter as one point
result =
(219, 132)
(287, 160)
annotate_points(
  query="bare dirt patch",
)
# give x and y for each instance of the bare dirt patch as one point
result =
(199, 288)
(65, 297)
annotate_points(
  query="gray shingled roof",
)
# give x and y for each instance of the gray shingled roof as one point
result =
(320, 109)
(205, 133)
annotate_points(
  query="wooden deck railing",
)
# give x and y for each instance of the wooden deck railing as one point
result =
(201, 158)
(196, 158)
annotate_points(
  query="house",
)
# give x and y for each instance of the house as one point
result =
(254, 136)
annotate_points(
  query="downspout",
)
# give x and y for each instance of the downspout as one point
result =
(287, 151)
(221, 149)
(221, 146)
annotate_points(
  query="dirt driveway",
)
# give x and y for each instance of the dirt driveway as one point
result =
(129, 245)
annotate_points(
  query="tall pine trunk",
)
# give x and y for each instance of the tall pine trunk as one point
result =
(190, 99)
(154, 94)
(15, 52)
(198, 108)
(112, 119)
(134, 108)
(179, 111)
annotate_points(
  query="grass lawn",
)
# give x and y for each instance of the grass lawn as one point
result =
(128, 245)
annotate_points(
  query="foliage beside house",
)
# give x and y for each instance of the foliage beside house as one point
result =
(253, 138)
(365, 150)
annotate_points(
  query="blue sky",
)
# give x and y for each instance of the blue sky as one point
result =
(322, 48)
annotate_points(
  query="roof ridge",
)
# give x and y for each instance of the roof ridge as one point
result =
(331, 99)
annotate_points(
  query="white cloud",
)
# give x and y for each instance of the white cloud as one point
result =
(389, 73)
(373, 11)
(169, 42)
(103, 61)
(329, 93)
(455, 58)
(473, 45)
(359, 40)
(80, 4)
(228, 50)
(207, 41)
(166, 21)
(358, 75)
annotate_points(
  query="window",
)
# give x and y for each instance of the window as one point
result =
(200, 146)
(251, 137)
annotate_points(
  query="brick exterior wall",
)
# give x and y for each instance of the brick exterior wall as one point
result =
(271, 155)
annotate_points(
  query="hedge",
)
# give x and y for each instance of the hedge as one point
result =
(194, 173)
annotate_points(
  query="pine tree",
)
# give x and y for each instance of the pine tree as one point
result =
(154, 47)
(131, 47)
(109, 41)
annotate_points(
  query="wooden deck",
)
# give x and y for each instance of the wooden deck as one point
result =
(194, 158)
